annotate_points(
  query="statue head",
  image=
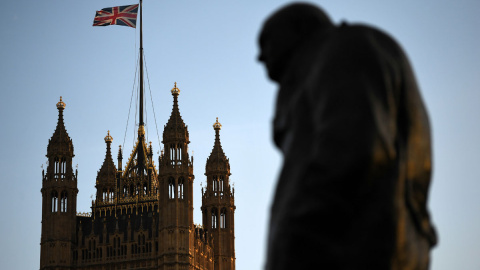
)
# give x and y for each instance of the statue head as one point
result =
(285, 31)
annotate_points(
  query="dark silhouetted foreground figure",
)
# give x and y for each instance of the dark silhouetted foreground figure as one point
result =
(355, 136)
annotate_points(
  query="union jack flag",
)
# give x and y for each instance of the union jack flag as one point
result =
(123, 15)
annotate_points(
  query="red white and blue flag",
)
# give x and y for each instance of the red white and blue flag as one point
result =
(123, 15)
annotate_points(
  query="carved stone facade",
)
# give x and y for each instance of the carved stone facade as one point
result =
(142, 216)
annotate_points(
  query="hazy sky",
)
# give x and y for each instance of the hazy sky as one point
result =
(50, 49)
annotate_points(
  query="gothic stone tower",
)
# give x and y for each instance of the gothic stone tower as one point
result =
(59, 198)
(175, 202)
(218, 205)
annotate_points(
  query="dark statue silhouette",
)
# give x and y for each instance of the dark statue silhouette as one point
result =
(355, 136)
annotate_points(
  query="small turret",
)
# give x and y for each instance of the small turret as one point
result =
(217, 161)
(120, 157)
(60, 143)
(218, 205)
(106, 176)
(175, 129)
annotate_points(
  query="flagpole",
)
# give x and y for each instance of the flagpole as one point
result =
(141, 128)
(141, 67)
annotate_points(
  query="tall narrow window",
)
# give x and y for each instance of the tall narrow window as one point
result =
(56, 166)
(125, 191)
(214, 218)
(215, 185)
(54, 201)
(63, 202)
(221, 186)
(223, 218)
(179, 154)
(172, 154)
(63, 166)
(171, 188)
(144, 189)
(180, 188)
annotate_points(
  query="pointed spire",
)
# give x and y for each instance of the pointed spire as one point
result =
(60, 143)
(175, 127)
(150, 150)
(106, 174)
(120, 154)
(217, 161)
(120, 157)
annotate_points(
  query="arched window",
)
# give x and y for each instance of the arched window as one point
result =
(171, 188)
(60, 167)
(54, 201)
(63, 167)
(125, 191)
(111, 196)
(145, 189)
(223, 218)
(214, 218)
(179, 154)
(63, 202)
(215, 185)
(172, 154)
(180, 187)
(221, 185)
(56, 166)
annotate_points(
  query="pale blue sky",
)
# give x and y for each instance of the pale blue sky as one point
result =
(49, 49)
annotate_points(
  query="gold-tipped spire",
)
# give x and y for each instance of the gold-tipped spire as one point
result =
(108, 138)
(61, 104)
(175, 127)
(175, 91)
(217, 161)
(106, 174)
(217, 125)
(60, 142)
